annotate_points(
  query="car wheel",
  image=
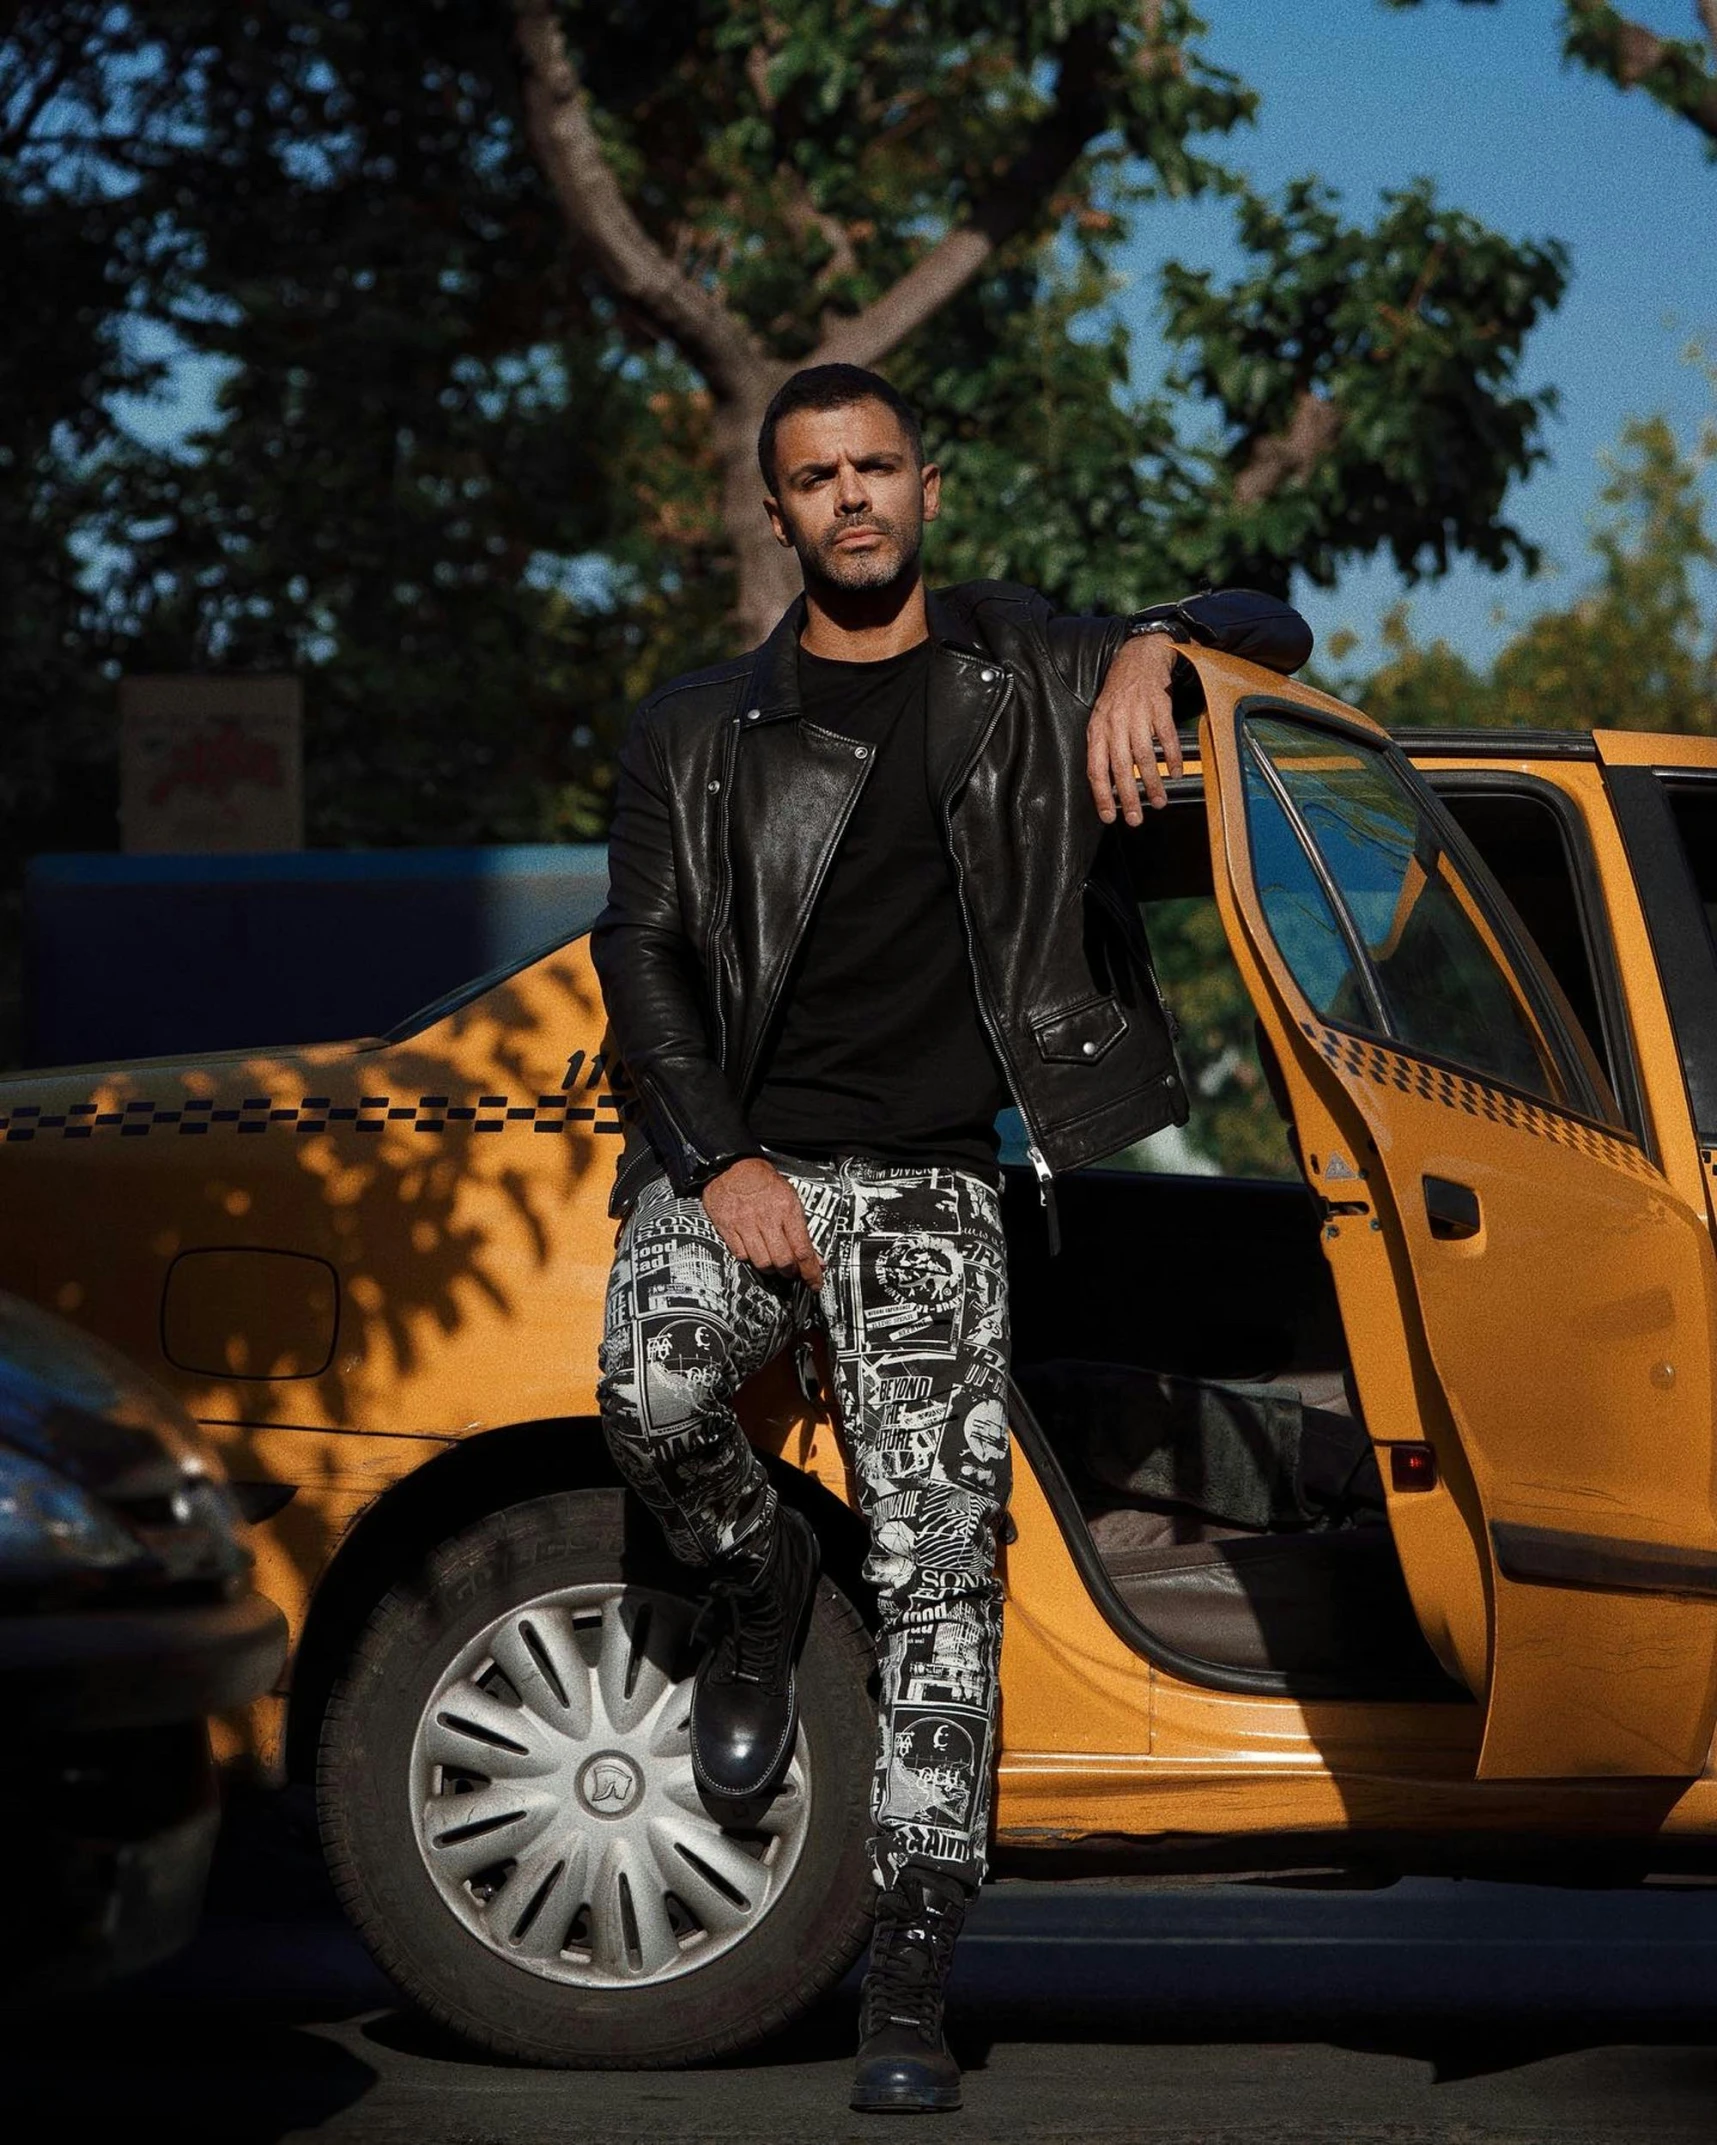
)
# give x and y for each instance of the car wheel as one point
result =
(508, 1810)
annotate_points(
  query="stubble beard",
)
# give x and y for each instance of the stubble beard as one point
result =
(892, 563)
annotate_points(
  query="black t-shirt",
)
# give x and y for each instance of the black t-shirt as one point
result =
(879, 1048)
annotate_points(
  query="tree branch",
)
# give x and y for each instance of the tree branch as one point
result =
(803, 216)
(1051, 149)
(569, 155)
(1289, 456)
(1670, 69)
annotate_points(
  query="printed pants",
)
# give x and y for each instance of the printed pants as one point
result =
(914, 1299)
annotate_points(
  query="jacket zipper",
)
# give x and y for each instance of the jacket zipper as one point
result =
(1040, 1168)
(1046, 1194)
(724, 892)
(660, 1102)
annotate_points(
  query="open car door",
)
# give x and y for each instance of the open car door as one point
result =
(1518, 1282)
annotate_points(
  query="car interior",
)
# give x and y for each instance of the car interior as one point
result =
(1184, 1381)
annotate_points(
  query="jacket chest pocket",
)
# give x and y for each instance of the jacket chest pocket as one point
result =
(1080, 1034)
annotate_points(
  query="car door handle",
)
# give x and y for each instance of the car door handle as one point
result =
(1453, 1209)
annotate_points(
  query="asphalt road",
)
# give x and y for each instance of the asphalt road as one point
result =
(1461, 2012)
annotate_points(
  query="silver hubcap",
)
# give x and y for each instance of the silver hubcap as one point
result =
(554, 1802)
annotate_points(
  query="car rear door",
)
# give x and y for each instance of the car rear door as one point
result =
(1559, 1296)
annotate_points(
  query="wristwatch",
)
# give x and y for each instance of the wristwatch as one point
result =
(1170, 626)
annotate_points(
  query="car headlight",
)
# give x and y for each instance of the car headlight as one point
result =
(50, 1530)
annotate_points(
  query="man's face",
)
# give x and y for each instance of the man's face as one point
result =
(849, 498)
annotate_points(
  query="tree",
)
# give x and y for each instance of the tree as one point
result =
(495, 305)
(1636, 650)
(1366, 377)
(67, 360)
(64, 366)
(1679, 73)
(391, 493)
(818, 184)
(796, 187)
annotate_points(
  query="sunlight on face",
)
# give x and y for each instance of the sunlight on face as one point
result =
(850, 498)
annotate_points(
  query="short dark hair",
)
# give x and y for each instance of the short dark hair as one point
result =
(833, 387)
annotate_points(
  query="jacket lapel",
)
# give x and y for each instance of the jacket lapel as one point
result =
(965, 697)
(792, 791)
(773, 689)
(794, 785)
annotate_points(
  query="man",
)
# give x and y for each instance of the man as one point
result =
(860, 902)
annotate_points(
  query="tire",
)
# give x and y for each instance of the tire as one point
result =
(537, 1670)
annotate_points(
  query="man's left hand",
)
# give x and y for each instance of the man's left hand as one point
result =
(1132, 723)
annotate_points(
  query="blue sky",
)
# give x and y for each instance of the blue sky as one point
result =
(1478, 98)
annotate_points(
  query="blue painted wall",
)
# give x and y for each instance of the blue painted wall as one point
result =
(151, 956)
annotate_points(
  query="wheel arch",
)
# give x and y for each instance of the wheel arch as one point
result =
(479, 1476)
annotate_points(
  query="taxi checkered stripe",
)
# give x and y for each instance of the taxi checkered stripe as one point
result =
(311, 1113)
(1459, 1091)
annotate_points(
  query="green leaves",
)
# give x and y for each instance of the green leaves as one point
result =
(1637, 647)
(462, 486)
(1394, 349)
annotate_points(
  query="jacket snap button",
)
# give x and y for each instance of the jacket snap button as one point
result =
(988, 676)
(1090, 1049)
(714, 786)
(751, 714)
(861, 752)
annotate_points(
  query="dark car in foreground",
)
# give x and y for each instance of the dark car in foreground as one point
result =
(127, 1617)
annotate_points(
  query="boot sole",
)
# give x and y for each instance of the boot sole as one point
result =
(931, 2101)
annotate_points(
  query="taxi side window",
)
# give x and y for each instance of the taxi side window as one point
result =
(1668, 827)
(1693, 805)
(1343, 848)
(1297, 909)
(1533, 840)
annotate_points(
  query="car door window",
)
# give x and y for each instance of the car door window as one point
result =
(1667, 833)
(1693, 806)
(1532, 839)
(1300, 915)
(1417, 960)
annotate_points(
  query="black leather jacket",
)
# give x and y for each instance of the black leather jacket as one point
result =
(729, 809)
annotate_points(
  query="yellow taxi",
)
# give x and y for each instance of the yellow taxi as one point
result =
(1365, 1427)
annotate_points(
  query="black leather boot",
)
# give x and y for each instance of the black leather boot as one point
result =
(745, 1707)
(903, 2061)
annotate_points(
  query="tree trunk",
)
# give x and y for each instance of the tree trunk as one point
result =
(730, 355)
(768, 575)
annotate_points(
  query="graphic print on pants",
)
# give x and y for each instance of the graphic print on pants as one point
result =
(914, 1300)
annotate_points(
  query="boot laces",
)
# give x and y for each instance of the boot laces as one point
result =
(911, 1954)
(746, 1627)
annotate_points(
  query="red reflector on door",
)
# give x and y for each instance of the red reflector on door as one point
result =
(1412, 1467)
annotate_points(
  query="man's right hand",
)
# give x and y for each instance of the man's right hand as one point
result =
(758, 1217)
